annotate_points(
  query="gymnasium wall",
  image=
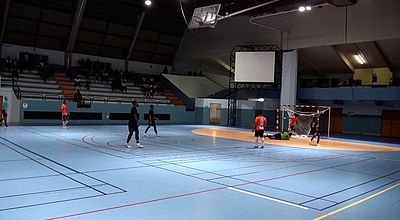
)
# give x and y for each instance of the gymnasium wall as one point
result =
(177, 114)
(381, 94)
(361, 117)
(245, 114)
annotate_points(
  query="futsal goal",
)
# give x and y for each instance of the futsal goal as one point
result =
(305, 114)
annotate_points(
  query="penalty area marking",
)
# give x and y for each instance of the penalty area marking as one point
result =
(268, 198)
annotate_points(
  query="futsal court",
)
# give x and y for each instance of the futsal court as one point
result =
(192, 172)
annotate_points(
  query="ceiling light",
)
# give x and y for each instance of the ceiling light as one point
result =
(308, 8)
(302, 8)
(147, 2)
(256, 99)
(360, 59)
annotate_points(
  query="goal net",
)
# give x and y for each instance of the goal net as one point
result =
(297, 119)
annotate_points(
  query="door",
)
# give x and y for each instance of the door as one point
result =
(336, 120)
(390, 123)
(215, 114)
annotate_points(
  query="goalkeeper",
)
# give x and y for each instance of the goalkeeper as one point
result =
(279, 136)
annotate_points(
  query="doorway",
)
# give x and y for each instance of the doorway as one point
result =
(390, 126)
(337, 120)
(215, 113)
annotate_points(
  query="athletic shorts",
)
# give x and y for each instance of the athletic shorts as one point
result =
(4, 113)
(259, 133)
(314, 131)
(65, 117)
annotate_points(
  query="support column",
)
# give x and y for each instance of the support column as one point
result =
(138, 27)
(74, 32)
(289, 78)
(3, 26)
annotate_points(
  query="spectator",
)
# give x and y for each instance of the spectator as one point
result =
(77, 82)
(78, 97)
(8, 64)
(124, 88)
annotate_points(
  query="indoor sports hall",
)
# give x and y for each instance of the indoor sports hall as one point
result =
(184, 109)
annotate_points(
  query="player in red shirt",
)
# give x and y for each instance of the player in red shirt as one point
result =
(259, 127)
(293, 122)
(64, 114)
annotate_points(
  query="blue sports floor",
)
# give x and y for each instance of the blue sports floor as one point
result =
(87, 173)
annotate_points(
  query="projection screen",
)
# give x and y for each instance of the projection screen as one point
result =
(254, 66)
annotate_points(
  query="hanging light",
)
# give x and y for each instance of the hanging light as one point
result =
(147, 2)
(360, 59)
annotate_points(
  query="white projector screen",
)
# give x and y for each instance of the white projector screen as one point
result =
(254, 66)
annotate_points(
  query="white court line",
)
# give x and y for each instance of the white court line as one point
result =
(269, 198)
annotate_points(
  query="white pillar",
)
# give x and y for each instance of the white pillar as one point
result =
(289, 78)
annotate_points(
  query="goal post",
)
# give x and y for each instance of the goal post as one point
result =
(304, 114)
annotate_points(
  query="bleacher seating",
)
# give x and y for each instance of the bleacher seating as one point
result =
(32, 86)
(103, 92)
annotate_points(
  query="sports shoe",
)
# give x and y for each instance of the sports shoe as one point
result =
(255, 146)
(146, 135)
(157, 135)
(128, 145)
(139, 145)
(262, 147)
(317, 144)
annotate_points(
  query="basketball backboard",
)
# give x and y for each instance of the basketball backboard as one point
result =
(205, 16)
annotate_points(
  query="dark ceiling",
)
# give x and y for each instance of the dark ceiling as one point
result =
(108, 26)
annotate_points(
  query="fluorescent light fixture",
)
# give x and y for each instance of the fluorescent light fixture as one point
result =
(302, 8)
(256, 99)
(147, 2)
(308, 8)
(360, 59)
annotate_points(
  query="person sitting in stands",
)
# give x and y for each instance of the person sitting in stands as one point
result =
(114, 85)
(78, 97)
(77, 82)
(124, 88)
(8, 64)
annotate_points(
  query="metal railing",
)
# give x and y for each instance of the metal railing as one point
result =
(17, 90)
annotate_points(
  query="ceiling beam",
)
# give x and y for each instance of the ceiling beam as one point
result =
(3, 26)
(344, 58)
(389, 65)
(138, 27)
(74, 31)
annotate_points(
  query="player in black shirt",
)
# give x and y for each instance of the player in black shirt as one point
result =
(315, 130)
(152, 122)
(133, 125)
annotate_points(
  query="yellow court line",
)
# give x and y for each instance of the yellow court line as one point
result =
(356, 203)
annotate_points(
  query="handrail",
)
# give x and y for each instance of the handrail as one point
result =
(17, 90)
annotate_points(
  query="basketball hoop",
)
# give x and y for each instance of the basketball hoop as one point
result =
(198, 20)
(205, 17)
